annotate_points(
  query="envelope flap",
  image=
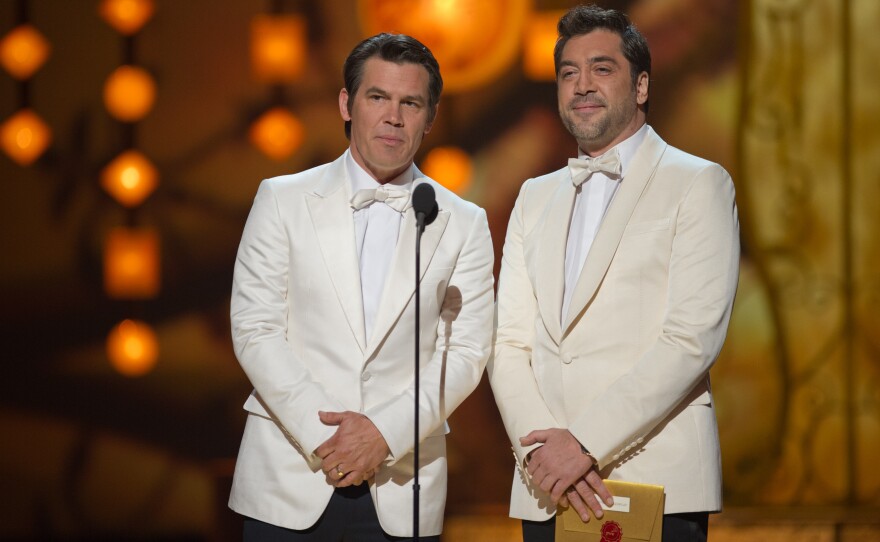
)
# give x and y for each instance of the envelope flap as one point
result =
(636, 515)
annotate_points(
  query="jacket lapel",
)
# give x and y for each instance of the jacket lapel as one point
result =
(550, 255)
(400, 284)
(641, 170)
(332, 219)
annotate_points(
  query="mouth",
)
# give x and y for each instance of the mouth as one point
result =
(389, 140)
(585, 107)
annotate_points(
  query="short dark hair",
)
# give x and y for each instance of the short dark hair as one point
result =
(397, 48)
(584, 19)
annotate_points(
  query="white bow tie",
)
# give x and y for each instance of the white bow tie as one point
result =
(395, 198)
(583, 168)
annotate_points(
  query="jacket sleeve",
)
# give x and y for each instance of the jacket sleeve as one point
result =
(519, 400)
(259, 309)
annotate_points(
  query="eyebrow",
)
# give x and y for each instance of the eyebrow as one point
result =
(592, 60)
(409, 98)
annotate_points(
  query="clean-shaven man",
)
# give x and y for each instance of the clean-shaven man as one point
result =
(617, 282)
(323, 321)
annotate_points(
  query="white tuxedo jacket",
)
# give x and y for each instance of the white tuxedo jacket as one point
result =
(298, 332)
(627, 369)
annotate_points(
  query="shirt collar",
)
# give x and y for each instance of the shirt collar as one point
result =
(359, 179)
(626, 149)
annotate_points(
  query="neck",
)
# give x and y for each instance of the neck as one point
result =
(598, 148)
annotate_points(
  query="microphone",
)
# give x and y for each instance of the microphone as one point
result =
(424, 203)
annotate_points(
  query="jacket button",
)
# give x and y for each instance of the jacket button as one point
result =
(615, 457)
(366, 376)
(566, 359)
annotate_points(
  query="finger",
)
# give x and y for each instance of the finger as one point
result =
(595, 481)
(578, 504)
(330, 461)
(327, 447)
(586, 494)
(330, 418)
(547, 484)
(534, 437)
(353, 478)
(558, 491)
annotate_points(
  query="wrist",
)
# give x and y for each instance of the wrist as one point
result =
(594, 463)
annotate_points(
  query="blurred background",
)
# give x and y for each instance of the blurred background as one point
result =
(135, 133)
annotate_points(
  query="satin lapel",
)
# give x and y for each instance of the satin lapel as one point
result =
(642, 169)
(550, 256)
(332, 219)
(400, 284)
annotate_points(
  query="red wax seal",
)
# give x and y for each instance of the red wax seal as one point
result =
(611, 532)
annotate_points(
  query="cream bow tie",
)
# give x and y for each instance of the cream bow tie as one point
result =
(583, 168)
(393, 197)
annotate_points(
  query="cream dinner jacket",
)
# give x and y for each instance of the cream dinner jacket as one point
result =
(627, 371)
(298, 332)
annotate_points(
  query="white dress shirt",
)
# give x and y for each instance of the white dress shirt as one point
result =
(591, 201)
(376, 229)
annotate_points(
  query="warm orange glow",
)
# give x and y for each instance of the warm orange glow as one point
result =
(538, 42)
(133, 348)
(23, 51)
(24, 137)
(129, 93)
(277, 133)
(130, 178)
(126, 16)
(475, 41)
(278, 47)
(131, 263)
(449, 166)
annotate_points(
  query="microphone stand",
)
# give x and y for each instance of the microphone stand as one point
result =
(420, 227)
(425, 207)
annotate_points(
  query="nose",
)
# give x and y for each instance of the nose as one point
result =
(584, 83)
(394, 116)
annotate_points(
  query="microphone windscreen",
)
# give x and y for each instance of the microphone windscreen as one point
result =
(423, 199)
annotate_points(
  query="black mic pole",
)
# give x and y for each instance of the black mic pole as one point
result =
(425, 206)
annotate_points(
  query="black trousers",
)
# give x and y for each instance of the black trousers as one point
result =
(349, 517)
(691, 527)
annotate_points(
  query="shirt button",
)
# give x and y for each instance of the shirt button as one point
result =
(366, 376)
(616, 457)
(640, 440)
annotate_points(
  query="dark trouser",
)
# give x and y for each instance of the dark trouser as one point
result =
(692, 527)
(350, 517)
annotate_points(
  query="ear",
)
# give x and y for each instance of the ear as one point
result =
(642, 83)
(343, 105)
(430, 123)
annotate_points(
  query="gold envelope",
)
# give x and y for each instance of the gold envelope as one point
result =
(637, 516)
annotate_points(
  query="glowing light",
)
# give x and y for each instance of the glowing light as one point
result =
(278, 47)
(130, 178)
(24, 137)
(449, 166)
(126, 16)
(277, 133)
(131, 263)
(129, 93)
(23, 51)
(475, 41)
(538, 42)
(133, 348)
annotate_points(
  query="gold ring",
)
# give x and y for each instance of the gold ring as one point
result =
(339, 473)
